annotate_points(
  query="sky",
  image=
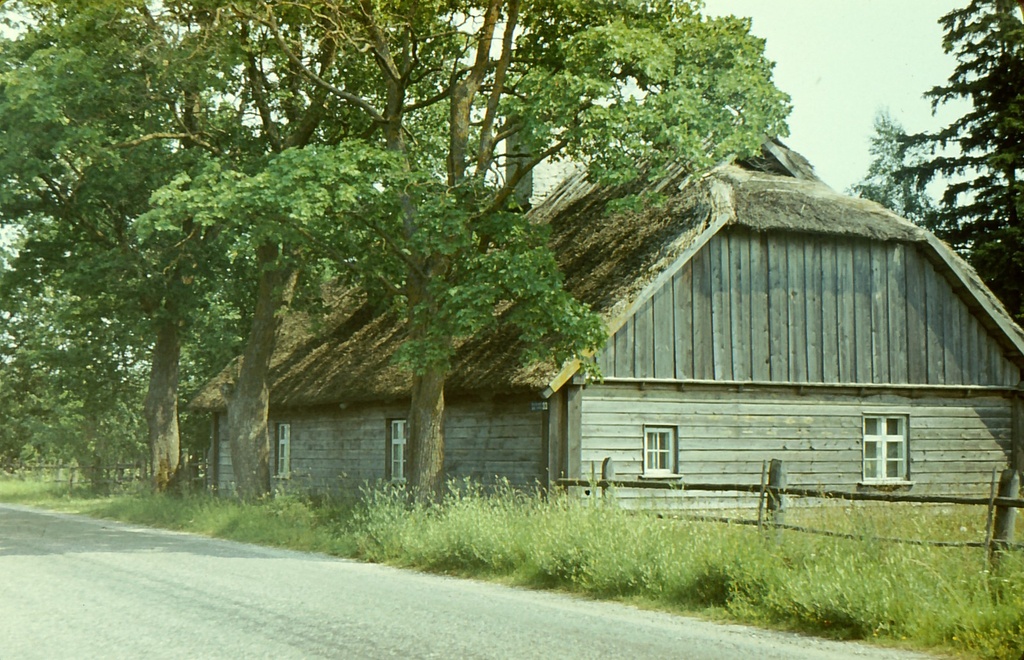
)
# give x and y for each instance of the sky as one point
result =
(842, 61)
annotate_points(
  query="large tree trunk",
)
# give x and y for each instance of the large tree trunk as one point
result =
(248, 403)
(426, 435)
(161, 406)
(425, 446)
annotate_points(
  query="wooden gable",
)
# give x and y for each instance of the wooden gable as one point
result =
(785, 307)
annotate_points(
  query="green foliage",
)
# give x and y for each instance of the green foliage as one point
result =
(150, 148)
(889, 180)
(93, 119)
(68, 376)
(983, 203)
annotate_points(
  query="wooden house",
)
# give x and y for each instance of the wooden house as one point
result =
(753, 313)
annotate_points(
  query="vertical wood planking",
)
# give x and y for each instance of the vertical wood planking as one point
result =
(972, 369)
(760, 352)
(1002, 365)
(797, 309)
(846, 312)
(986, 373)
(721, 313)
(812, 307)
(606, 357)
(1017, 434)
(703, 349)
(994, 360)
(981, 356)
(863, 344)
(574, 431)
(624, 351)
(936, 311)
(966, 349)
(739, 295)
(556, 434)
(682, 306)
(829, 313)
(898, 350)
(778, 308)
(787, 307)
(917, 336)
(951, 333)
(1013, 375)
(643, 341)
(1011, 372)
(664, 333)
(879, 314)
(998, 363)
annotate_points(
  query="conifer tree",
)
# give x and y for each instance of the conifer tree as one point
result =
(981, 154)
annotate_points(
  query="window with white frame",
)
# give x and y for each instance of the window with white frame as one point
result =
(885, 448)
(284, 450)
(397, 436)
(659, 451)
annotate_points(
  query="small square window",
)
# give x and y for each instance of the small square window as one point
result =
(885, 449)
(660, 452)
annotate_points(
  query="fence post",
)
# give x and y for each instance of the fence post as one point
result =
(1009, 487)
(776, 502)
(761, 494)
(990, 518)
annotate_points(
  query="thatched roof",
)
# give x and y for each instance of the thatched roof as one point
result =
(611, 260)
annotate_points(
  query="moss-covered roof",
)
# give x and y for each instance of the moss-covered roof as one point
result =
(609, 257)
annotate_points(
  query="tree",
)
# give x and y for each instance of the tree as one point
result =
(981, 154)
(466, 99)
(382, 138)
(67, 384)
(84, 108)
(101, 104)
(887, 181)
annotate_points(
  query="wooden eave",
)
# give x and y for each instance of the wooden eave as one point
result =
(967, 285)
(724, 214)
(993, 316)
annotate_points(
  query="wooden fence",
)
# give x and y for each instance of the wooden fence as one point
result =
(72, 474)
(1001, 504)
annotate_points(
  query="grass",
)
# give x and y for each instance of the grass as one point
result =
(941, 599)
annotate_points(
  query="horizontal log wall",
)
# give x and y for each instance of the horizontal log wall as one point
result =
(491, 440)
(337, 450)
(340, 450)
(807, 309)
(725, 435)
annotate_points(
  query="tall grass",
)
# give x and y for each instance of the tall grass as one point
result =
(947, 599)
(861, 588)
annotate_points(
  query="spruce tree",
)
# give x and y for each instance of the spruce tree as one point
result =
(981, 154)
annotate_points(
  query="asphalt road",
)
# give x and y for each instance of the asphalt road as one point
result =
(73, 587)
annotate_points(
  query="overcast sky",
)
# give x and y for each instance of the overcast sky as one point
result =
(842, 62)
